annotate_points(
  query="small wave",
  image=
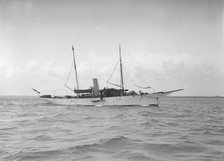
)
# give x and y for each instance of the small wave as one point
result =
(25, 115)
(119, 116)
(116, 140)
(174, 124)
(146, 124)
(82, 148)
(155, 121)
(131, 155)
(103, 145)
(139, 157)
(42, 138)
(39, 155)
(171, 148)
(7, 128)
(88, 118)
(215, 142)
(145, 113)
(5, 134)
(47, 119)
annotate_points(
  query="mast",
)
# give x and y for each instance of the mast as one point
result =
(76, 75)
(121, 70)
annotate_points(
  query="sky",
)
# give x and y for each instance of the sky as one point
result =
(166, 44)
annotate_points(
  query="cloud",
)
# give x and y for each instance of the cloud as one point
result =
(201, 79)
(19, 79)
(16, 10)
(5, 71)
(49, 70)
(172, 72)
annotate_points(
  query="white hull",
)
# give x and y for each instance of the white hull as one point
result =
(142, 100)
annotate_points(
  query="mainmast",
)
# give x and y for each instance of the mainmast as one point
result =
(121, 70)
(76, 75)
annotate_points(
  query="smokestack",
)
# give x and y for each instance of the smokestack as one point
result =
(95, 87)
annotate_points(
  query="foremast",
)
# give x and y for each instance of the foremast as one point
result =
(76, 74)
(121, 71)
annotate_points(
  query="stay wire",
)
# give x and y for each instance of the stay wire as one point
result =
(137, 78)
(113, 71)
(68, 78)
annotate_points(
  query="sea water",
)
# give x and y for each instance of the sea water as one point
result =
(180, 129)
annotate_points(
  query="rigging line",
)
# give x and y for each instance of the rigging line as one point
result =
(126, 71)
(147, 85)
(142, 81)
(113, 71)
(143, 87)
(133, 81)
(114, 84)
(68, 78)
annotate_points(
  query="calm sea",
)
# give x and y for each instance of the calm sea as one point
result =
(181, 129)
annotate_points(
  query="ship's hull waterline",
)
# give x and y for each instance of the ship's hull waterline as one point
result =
(142, 100)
